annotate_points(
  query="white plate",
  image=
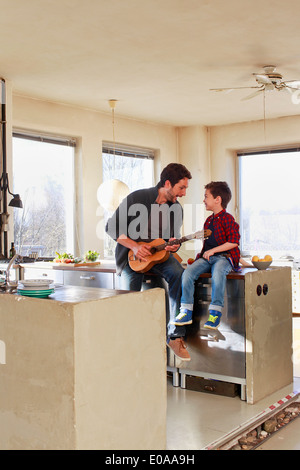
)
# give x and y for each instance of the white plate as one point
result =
(35, 287)
(35, 282)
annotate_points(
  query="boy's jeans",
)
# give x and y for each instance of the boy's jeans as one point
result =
(219, 266)
(171, 270)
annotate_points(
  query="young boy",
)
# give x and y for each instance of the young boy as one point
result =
(220, 253)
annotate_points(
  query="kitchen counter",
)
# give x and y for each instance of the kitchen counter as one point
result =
(110, 266)
(83, 369)
(104, 266)
(104, 275)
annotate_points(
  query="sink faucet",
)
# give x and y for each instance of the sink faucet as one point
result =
(11, 262)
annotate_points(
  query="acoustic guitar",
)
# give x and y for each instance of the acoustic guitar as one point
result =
(158, 252)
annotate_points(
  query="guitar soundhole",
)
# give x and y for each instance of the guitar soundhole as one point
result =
(153, 250)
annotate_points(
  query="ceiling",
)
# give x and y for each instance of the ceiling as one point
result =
(158, 58)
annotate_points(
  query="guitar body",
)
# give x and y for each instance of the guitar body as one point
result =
(159, 254)
(156, 258)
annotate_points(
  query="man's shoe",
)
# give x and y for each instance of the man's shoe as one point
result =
(214, 320)
(179, 349)
(184, 317)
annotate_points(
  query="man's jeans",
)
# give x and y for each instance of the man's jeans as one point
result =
(219, 266)
(171, 270)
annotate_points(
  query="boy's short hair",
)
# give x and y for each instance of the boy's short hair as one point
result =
(220, 188)
(174, 172)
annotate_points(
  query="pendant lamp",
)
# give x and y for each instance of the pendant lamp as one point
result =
(111, 192)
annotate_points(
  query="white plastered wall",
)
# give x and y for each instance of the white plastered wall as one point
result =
(90, 128)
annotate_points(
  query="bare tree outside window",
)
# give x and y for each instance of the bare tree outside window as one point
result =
(136, 172)
(44, 178)
(270, 203)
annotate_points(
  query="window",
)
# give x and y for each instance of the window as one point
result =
(270, 203)
(43, 175)
(132, 165)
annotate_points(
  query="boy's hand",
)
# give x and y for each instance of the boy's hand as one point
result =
(208, 253)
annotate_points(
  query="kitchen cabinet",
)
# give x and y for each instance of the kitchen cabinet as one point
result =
(102, 275)
(42, 273)
(89, 279)
(253, 345)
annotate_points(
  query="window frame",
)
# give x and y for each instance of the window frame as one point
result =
(44, 137)
(253, 152)
(130, 151)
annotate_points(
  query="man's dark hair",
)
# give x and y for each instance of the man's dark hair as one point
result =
(174, 172)
(220, 188)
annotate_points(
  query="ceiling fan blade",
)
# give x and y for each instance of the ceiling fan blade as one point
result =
(221, 89)
(233, 88)
(261, 78)
(252, 95)
(294, 84)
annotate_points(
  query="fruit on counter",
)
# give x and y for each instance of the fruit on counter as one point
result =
(256, 258)
(91, 255)
(190, 261)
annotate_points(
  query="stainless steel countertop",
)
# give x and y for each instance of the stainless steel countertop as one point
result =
(78, 294)
(75, 294)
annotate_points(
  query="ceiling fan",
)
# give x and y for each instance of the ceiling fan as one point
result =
(266, 81)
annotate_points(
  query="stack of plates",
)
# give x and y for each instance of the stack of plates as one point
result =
(36, 287)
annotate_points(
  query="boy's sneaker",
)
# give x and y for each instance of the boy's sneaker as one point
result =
(179, 348)
(214, 320)
(184, 317)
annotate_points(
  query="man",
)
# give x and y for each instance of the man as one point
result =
(145, 215)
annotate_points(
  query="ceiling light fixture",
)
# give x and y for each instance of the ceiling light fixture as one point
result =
(4, 186)
(112, 192)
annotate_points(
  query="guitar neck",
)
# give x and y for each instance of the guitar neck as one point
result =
(176, 241)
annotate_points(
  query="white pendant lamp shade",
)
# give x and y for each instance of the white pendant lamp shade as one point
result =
(111, 193)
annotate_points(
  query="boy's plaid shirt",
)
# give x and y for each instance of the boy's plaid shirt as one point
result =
(226, 229)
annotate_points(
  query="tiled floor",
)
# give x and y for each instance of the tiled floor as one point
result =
(195, 419)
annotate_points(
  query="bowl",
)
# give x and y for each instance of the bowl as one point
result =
(261, 264)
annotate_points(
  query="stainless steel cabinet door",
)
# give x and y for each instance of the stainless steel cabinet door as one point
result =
(89, 279)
